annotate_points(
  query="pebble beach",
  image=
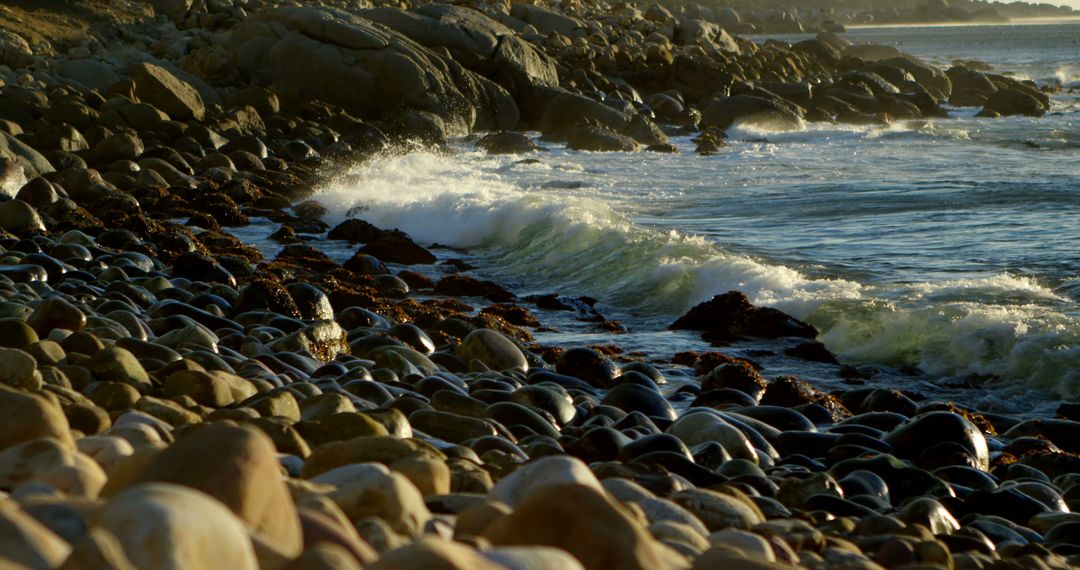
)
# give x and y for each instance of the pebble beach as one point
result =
(178, 394)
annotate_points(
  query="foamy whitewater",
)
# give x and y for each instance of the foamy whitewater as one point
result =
(945, 251)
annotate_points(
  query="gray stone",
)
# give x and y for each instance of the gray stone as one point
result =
(87, 72)
(341, 58)
(14, 50)
(33, 163)
(19, 370)
(159, 87)
(18, 217)
(492, 349)
(172, 527)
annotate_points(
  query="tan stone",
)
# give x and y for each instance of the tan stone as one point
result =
(435, 554)
(583, 521)
(169, 527)
(238, 466)
(18, 369)
(543, 472)
(325, 556)
(23, 540)
(370, 489)
(24, 417)
(98, 550)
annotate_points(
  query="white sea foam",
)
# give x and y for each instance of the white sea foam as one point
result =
(582, 241)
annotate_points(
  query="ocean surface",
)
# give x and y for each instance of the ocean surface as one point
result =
(943, 256)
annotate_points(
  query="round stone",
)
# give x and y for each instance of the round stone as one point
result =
(493, 350)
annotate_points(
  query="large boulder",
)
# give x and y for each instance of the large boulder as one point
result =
(546, 20)
(696, 32)
(175, 10)
(519, 67)
(15, 52)
(600, 140)
(872, 52)
(1008, 101)
(931, 78)
(970, 87)
(555, 111)
(238, 467)
(464, 32)
(31, 161)
(732, 316)
(173, 528)
(366, 68)
(159, 87)
(474, 40)
(751, 110)
(582, 521)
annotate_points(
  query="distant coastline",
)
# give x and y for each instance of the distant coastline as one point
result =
(1015, 22)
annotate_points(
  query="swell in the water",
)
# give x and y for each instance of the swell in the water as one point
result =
(571, 241)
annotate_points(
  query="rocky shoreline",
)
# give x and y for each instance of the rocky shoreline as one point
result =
(173, 399)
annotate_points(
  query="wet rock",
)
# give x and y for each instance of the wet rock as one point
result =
(507, 143)
(699, 427)
(931, 514)
(731, 316)
(324, 340)
(588, 365)
(465, 286)
(797, 492)
(547, 399)
(396, 247)
(737, 376)
(20, 218)
(599, 139)
(366, 264)
(56, 313)
(911, 438)
(751, 111)
(1008, 102)
(637, 398)
(493, 350)
(115, 364)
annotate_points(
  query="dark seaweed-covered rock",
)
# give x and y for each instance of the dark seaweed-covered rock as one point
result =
(464, 286)
(731, 316)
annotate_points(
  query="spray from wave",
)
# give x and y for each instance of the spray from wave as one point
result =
(575, 242)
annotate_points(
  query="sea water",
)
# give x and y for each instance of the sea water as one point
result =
(941, 254)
